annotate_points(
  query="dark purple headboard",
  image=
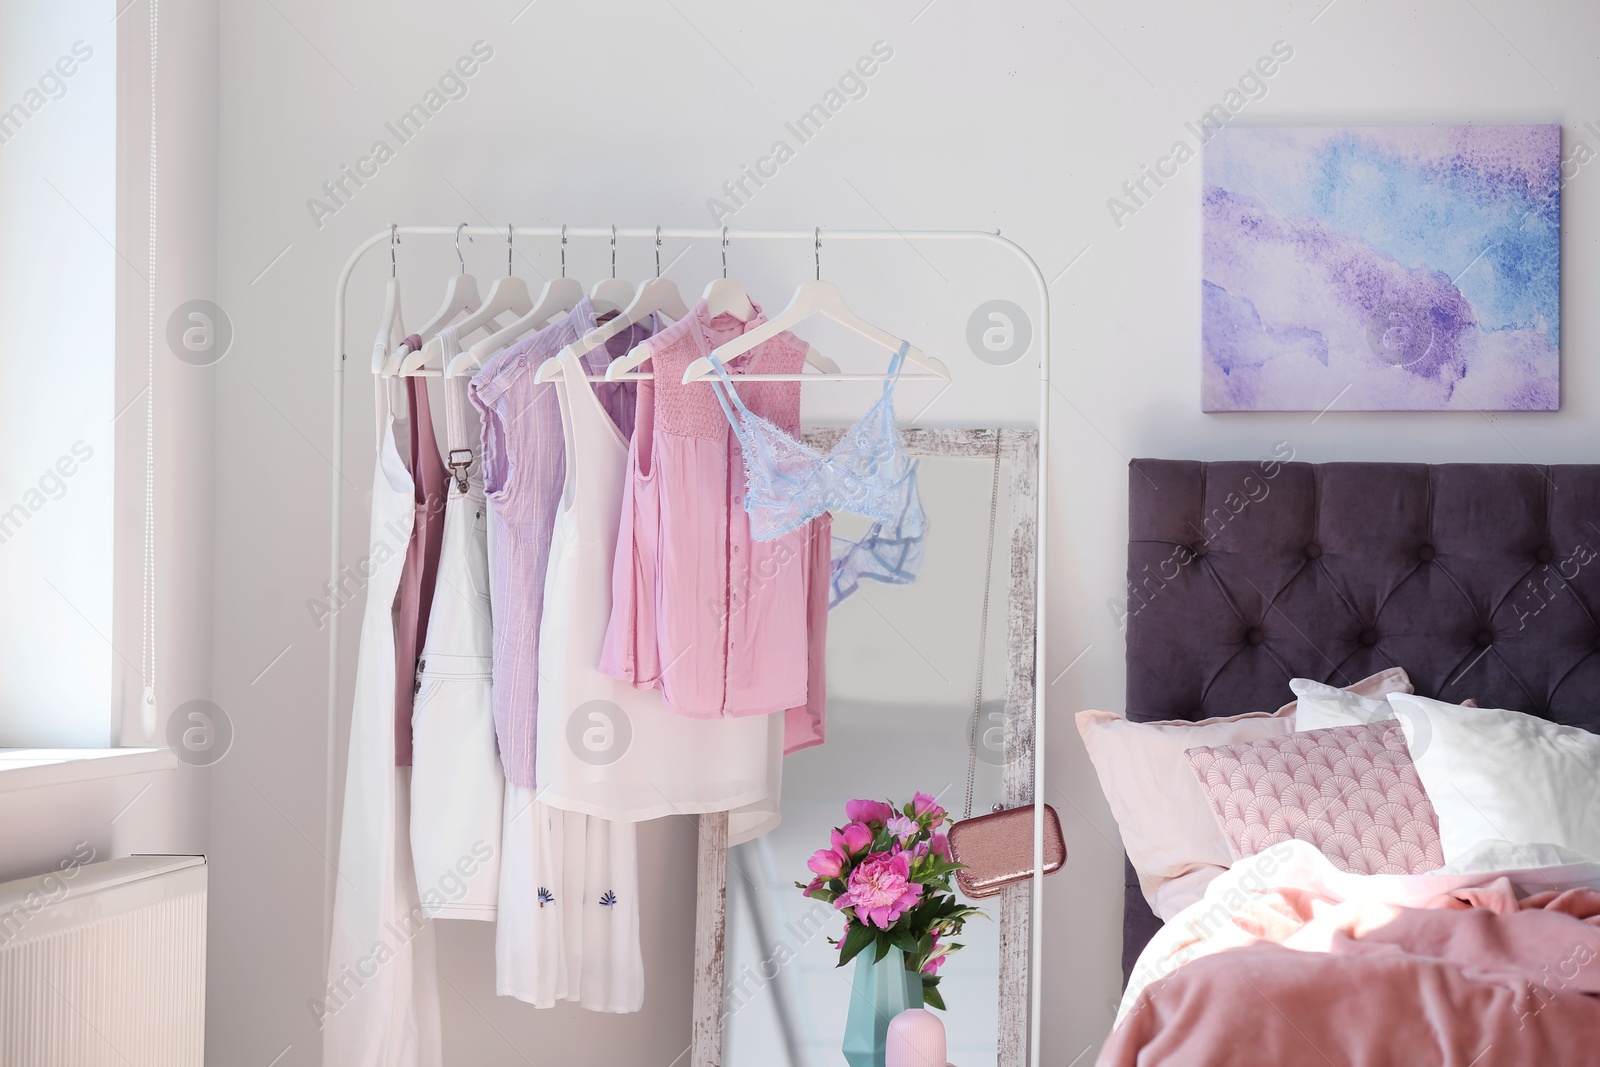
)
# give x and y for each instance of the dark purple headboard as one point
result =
(1481, 580)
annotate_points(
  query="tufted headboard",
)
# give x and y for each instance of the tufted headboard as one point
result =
(1480, 580)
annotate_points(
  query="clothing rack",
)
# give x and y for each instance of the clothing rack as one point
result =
(726, 236)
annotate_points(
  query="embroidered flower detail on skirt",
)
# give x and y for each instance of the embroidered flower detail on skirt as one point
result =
(608, 899)
(546, 897)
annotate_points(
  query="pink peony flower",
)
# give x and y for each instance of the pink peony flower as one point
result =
(826, 862)
(904, 829)
(923, 805)
(852, 839)
(816, 884)
(869, 811)
(941, 846)
(880, 889)
(935, 959)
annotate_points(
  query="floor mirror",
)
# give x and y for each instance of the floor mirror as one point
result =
(903, 677)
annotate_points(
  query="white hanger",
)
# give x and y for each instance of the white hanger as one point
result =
(722, 296)
(725, 296)
(657, 295)
(660, 293)
(552, 369)
(559, 295)
(815, 297)
(507, 294)
(389, 327)
(611, 294)
(459, 296)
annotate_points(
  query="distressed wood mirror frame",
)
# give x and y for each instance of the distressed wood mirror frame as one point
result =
(1021, 448)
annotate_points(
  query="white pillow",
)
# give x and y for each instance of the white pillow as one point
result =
(1323, 706)
(1504, 856)
(1319, 706)
(1492, 775)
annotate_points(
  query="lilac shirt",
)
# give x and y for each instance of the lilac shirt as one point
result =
(721, 623)
(524, 468)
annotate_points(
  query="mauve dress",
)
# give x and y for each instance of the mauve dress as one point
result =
(722, 624)
(415, 598)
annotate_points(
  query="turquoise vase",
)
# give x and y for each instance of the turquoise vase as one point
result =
(881, 991)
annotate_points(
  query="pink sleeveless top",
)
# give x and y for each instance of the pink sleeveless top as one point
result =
(722, 624)
(415, 599)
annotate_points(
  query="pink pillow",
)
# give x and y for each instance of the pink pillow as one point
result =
(1352, 791)
(1167, 827)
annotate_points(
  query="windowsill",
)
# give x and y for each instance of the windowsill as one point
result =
(30, 768)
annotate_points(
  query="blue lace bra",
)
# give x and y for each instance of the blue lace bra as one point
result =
(789, 483)
(889, 552)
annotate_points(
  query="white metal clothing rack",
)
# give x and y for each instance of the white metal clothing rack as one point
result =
(726, 236)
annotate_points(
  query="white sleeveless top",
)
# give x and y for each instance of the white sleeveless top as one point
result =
(605, 748)
(394, 1019)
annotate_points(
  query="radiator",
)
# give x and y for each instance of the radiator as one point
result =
(104, 965)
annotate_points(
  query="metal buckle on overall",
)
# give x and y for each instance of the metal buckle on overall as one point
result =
(460, 466)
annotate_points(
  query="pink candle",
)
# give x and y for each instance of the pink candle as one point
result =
(916, 1039)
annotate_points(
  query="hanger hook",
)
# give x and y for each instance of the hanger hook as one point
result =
(394, 239)
(724, 251)
(563, 250)
(816, 252)
(509, 234)
(658, 251)
(613, 253)
(459, 258)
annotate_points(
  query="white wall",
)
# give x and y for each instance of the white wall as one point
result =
(1023, 116)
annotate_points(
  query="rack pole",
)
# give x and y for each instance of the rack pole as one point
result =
(330, 830)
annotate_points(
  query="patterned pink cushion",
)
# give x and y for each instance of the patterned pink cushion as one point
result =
(1352, 791)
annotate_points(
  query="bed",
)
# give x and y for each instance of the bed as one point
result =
(1481, 580)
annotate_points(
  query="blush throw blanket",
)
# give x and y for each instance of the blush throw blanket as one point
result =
(1303, 964)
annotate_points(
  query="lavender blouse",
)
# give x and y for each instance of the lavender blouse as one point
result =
(524, 467)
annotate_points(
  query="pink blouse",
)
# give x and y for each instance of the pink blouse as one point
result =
(722, 624)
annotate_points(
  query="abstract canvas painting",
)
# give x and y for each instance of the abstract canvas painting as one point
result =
(1402, 268)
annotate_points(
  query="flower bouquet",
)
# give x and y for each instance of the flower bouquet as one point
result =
(889, 870)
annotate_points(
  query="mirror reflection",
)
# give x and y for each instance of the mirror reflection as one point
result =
(903, 670)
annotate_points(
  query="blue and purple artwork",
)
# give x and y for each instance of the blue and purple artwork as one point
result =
(1400, 268)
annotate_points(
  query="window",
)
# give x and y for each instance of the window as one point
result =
(58, 374)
